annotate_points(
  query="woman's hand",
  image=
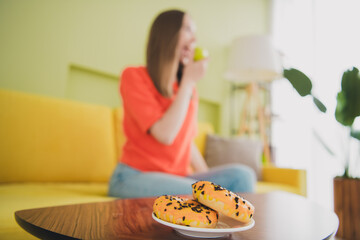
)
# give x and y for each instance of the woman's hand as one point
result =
(194, 71)
(198, 163)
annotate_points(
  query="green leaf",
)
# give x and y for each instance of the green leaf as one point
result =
(340, 112)
(299, 81)
(319, 104)
(348, 99)
(355, 134)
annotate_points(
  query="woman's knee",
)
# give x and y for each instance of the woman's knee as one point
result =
(243, 178)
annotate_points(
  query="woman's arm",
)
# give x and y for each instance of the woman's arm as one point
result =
(168, 126)
(197, 161)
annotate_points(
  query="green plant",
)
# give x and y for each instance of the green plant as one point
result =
(348, 99)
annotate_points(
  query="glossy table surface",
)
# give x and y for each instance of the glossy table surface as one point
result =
(278, 215)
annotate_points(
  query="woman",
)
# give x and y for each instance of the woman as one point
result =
(160, 114)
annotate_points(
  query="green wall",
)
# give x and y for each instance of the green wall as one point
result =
(76, 49)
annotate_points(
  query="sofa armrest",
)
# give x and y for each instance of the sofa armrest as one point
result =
(293, 177)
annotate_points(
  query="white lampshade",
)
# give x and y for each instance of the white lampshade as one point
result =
(253, 59)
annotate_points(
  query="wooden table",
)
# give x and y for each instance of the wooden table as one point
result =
(278, 215)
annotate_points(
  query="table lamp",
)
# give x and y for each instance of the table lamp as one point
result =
(253, 60)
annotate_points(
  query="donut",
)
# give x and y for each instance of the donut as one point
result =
(184, 212)
(223, 201)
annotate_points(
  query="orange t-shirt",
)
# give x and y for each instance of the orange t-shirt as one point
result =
(143, 106)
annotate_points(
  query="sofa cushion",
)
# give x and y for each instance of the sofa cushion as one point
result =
(203, 129)
(44, 139)
(224, 150)
(120, 137)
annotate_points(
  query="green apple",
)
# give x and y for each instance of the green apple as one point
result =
(200, 53)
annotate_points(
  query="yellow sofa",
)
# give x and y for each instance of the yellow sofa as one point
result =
(56, 152)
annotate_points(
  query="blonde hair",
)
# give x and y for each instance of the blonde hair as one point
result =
(161, 49)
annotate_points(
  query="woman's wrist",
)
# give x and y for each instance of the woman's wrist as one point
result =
(187, 85)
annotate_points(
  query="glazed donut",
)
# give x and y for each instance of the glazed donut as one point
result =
(223, 201)
(184, 212)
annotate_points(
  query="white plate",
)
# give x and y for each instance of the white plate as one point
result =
(224, 227)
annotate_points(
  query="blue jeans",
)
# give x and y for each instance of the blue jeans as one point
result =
(127, 182)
